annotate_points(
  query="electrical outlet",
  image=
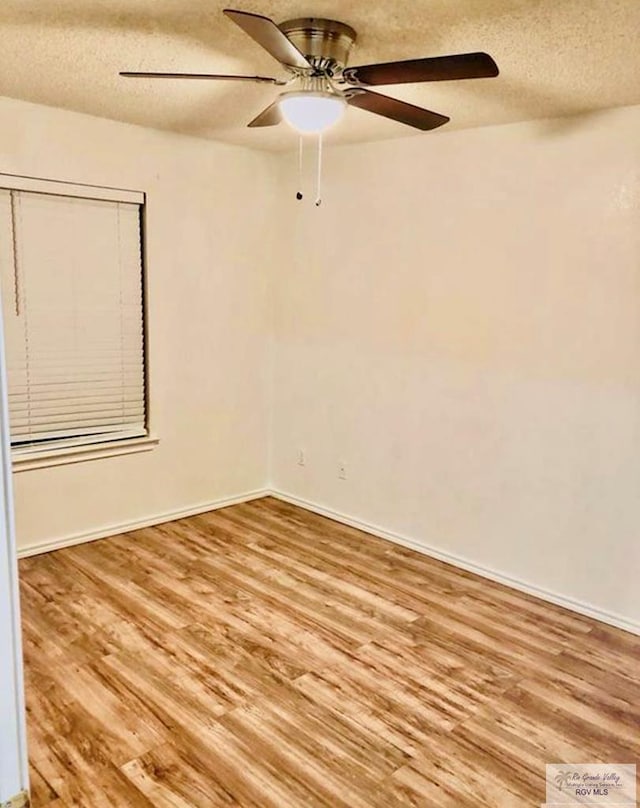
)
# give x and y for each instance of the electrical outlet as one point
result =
(342, 470)
(302, 460)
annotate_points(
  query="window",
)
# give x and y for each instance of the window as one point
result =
(71, 281)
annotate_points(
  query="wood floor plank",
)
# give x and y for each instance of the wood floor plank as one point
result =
(84, 730)
(54, 804)
(42, 793)
(171, 777)
(337, 544)
(308, 754)
(261, 656)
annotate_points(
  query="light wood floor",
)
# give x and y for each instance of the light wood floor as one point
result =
(263, 656)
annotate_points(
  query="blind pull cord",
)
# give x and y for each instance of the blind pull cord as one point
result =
(16, 260)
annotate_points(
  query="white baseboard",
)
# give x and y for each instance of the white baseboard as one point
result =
(149, 521)
(586, 609)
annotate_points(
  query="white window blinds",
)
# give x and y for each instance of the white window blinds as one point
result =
(71, 278)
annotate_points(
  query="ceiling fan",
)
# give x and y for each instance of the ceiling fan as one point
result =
(315, 53)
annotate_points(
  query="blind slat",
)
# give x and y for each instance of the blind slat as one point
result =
(59, 440)
(78, 423)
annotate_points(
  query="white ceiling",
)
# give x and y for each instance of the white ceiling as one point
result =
(557, 57)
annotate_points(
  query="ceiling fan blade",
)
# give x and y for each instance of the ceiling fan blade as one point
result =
(266, 33)
(210, 76)
(271, 116)
(438, 68)
(399, 111)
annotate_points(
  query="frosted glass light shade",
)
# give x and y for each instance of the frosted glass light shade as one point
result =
(311, 112)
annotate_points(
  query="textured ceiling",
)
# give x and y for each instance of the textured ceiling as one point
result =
(557, 57)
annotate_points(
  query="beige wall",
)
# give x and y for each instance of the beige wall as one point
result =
(460, 324)
(209, 215)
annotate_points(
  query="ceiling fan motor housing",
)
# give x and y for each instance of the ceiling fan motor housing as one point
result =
(325, 43)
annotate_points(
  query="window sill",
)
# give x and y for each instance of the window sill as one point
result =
(78, 454)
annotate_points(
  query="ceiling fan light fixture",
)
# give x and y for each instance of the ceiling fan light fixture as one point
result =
(314, 51)
(311, 112)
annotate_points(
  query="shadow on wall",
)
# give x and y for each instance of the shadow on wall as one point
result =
(194, 22)
(553, 111)
(196, 25)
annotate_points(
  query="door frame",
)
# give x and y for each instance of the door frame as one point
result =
(14, 765)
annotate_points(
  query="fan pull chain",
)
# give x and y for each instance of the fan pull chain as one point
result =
(319, 176)
(299, 193)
